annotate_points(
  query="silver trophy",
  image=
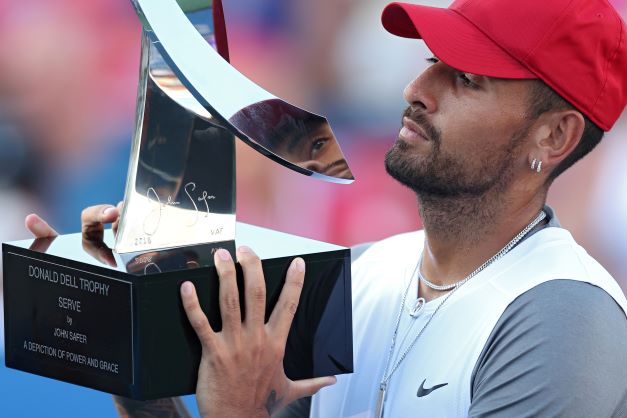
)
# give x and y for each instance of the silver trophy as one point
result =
(181, 183)
(117, 326)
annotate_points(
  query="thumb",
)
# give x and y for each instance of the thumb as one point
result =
(309, 387)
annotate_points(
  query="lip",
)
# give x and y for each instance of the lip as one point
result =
(411, 131)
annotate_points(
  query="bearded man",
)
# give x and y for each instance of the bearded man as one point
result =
(492, 310)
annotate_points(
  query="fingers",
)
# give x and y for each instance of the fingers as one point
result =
(254, 286)
(116, 223)
(38, 227)
(229, 296)
(309, 387)
(283, 313)
(93, 218)
(196, 316)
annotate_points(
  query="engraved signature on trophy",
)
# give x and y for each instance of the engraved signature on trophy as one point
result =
(190, 187)
(153, 219)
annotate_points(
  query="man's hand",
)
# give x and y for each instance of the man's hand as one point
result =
(241, 370)
(93, 220)
(38, 227)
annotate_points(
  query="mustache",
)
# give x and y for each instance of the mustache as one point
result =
(334, 164)
(418, 116)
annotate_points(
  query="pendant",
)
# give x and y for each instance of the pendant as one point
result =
(418, 305)
(380, 401)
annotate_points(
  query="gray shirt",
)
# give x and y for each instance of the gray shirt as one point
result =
(558, 350)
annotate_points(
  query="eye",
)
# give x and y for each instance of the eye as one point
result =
(466, 81)
(433, 60)
(316, 146)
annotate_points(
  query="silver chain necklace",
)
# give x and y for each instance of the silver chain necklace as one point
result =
(433, 285)
(387, 375)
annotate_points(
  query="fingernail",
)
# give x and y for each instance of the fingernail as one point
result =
(244, 249)
(299, 264)
(186, 288)
(108, 210)
(223, 254)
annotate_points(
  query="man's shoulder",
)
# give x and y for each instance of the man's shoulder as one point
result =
(559, 338)
(561, 309)
(552, 253)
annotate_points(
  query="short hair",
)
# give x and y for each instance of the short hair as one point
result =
(272, 123)
(545, 99)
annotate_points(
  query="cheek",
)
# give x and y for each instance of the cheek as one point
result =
(477, 128)
(328, 154)
(464, 136)
(335, 152)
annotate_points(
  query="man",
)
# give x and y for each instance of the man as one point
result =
(493, 309)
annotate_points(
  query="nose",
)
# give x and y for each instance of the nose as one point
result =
(421, 91)
(313, 165)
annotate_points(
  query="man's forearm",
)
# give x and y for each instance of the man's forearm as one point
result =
(158, 408)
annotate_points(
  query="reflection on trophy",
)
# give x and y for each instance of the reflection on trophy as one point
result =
(119, 292)
(303, 138)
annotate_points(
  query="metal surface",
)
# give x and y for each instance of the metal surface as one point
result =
(191, 103)
(291, 136)
(181, 184)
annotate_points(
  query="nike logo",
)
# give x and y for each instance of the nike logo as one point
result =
(424, 392)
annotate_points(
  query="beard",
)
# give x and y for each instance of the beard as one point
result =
(439, 174)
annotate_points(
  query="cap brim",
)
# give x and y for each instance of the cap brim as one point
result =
(453, 39)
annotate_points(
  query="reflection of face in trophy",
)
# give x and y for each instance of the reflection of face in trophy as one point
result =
(294, 134)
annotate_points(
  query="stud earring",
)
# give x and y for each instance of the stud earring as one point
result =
(536, 165)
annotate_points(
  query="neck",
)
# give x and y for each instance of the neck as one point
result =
(456, 222)
(462, 233)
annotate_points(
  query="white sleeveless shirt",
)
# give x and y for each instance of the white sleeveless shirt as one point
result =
(451, 344)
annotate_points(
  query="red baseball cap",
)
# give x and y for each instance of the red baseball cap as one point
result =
(577, 47)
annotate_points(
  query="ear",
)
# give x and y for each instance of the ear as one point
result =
(557, 135)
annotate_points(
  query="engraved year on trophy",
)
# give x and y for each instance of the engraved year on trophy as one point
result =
(80, 312)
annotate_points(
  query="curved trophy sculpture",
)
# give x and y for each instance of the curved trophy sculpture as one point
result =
(191, 103)
(79, 312)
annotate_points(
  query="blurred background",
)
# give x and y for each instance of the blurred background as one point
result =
(68, 83)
